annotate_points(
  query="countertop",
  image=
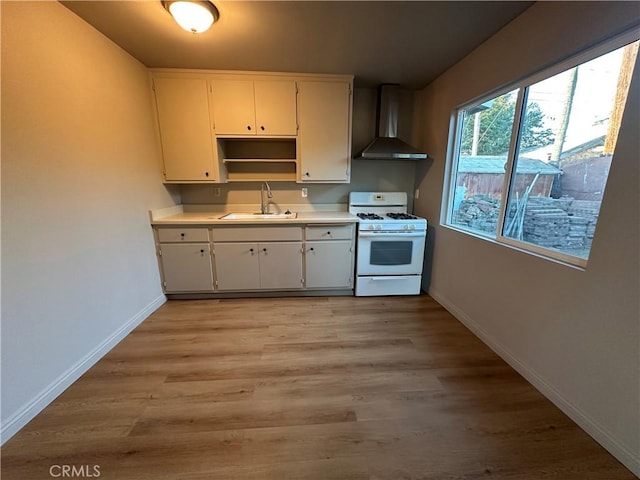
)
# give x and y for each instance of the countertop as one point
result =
(213, 218)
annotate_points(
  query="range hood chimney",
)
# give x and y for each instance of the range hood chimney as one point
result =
(386, 146)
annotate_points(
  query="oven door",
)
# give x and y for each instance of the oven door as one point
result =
(390, 253)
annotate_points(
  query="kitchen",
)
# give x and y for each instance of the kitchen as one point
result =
(79, 175)
(236, 128)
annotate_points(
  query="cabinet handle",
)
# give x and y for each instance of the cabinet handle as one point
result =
(201, 251)
(328, 233)
(206, 174)
(249, 127)
(262, 127)
(182, 235)
(307, 174)
(264, 250)
(251, 250)
(311, 249)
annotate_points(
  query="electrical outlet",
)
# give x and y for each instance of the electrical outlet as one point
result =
(416, 194)
(216, 192)
(305, 192)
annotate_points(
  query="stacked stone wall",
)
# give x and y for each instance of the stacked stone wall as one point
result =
(564, 223)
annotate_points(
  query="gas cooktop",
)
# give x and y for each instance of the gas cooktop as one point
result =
(389, 216)
(369, 216)
(401, 216)
(384, 211)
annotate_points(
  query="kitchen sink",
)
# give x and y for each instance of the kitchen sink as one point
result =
(258, 216)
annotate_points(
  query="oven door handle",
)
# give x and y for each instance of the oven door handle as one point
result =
(382, 278)
(391, 234)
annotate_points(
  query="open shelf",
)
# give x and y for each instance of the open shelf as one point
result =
(261, 170)
(258, 159)
(257, 149)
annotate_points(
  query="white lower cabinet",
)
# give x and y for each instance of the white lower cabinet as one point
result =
(329, 256)
(258, 266)
(269, 258)
(329, 264)
(258, 258)
(186, 267)
(237, 266)
(281, 265)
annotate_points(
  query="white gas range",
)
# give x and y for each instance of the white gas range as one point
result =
(390, 244)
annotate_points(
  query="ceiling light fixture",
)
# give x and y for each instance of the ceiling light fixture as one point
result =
(193, 16)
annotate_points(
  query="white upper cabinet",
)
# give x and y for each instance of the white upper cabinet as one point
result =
(218, 127)
(275, 107)
(233, 107)
(324, 137)
(188, 145)
(254, 107)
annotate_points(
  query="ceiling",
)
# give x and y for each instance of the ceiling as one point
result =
(408, 43)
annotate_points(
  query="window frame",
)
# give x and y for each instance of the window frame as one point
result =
(522, 87)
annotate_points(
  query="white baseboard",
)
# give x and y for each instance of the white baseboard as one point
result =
(628, 458)
(25, 414)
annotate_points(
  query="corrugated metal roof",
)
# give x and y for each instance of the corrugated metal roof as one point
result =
(542, 153)
(495, 164)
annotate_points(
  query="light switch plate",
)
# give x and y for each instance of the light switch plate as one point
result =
(305, 192)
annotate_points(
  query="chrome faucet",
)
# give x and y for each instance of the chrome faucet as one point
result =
(264, 204)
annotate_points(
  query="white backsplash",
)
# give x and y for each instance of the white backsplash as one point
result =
(367, 175)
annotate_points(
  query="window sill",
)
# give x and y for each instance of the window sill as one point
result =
(576, 263)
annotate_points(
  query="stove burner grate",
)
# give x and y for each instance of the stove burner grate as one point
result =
(401, 216)
(369, 216)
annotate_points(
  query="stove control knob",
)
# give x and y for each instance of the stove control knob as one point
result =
(413, 227)
(406, 227)
(378, 227)
(370, 227)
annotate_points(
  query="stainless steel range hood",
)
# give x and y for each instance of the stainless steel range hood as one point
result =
(386, 146)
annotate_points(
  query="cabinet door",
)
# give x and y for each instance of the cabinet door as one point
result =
(280, 265)
(324, 114)
(237, 266)
(329, 264)
(186, 267)
(185, 129)
(233, 107)
(275, 107)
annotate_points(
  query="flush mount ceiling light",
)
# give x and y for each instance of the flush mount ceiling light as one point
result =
(193, 16)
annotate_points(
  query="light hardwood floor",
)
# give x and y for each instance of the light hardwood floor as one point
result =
(305, 388)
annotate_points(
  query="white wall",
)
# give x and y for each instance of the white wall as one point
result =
(574, 334)
(80, 169)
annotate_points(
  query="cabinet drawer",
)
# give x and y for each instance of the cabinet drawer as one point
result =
(256, 234)
(329, 232)
(171, 235)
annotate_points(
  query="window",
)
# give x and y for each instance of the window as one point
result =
(530, 165)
